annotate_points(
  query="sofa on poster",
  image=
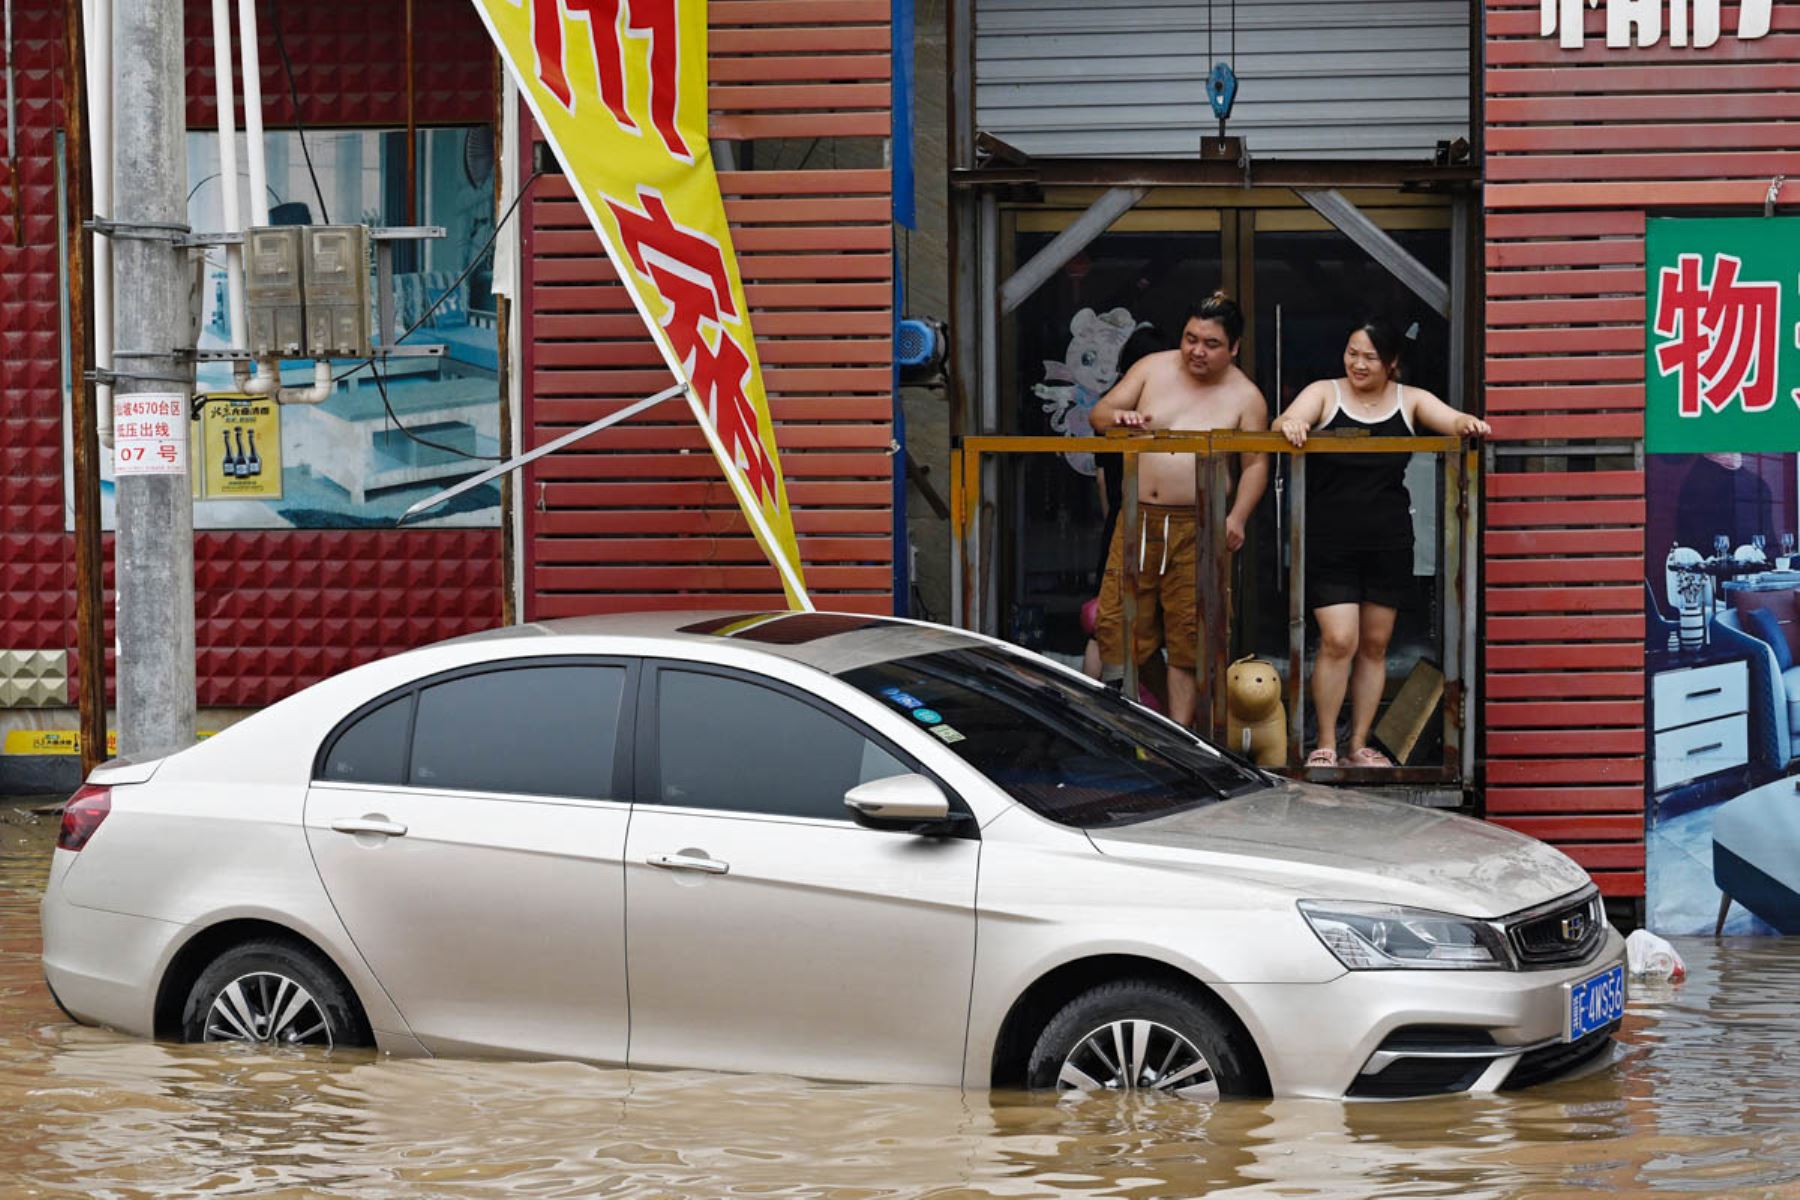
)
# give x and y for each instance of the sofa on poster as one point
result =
(1723, 711)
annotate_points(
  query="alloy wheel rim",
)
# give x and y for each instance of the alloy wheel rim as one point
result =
(266, 1008)
(1134, 1055)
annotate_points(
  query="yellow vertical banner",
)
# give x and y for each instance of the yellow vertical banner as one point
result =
(618, 87)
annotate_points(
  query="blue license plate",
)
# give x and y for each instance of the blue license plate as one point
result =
(1596, 1003)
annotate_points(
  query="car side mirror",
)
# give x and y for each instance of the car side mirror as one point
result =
(910, 802)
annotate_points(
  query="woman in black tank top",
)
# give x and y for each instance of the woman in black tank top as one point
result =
(1359, 540)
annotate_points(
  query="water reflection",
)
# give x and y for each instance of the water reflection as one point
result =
(1704, 1100)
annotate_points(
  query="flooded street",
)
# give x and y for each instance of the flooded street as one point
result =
(1705, 1100)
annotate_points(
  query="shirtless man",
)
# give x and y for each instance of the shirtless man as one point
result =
(1196, 386)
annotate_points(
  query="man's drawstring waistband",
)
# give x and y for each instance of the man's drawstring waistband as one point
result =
(1144, 544)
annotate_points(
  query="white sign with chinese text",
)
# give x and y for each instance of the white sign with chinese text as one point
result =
(150, 434)
(1640, 22)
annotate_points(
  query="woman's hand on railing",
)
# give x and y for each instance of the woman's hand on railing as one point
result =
(1468, 426)
(1130, 418)
(1293, 429)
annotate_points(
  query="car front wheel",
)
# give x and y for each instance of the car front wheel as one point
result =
(273, 993)
(1137, 1035)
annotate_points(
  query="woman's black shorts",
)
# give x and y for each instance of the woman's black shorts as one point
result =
(1368, 575)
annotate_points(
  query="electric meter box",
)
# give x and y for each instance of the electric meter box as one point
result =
(336, 282)
(275, 301)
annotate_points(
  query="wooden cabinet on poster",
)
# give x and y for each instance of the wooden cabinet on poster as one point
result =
(1701, 722)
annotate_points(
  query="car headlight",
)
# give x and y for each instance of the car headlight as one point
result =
(1375, 937)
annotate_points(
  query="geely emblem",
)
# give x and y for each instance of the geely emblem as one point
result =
(1573, 927)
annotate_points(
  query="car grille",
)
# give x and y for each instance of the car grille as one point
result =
(1410, 1077)
(1566, 933)
(1552, 1061)
(1449, 1058)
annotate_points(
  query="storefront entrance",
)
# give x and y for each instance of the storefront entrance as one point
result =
(1303, 285)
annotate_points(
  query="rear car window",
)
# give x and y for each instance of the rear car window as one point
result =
(538, 731)
(373, 750)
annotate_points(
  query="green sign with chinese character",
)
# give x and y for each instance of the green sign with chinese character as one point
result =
(1722, 335)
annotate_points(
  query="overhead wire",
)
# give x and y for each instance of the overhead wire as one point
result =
(468, 270)
(375, 367)
(287, 67)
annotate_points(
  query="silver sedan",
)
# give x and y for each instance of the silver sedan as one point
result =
(833, 846)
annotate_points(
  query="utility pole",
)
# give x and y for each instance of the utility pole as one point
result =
(155, 547)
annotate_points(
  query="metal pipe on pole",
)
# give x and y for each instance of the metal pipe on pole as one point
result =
(228, 180)
(154, 555)
(254, 150)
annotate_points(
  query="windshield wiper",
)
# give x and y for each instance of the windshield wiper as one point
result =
(1256, 773)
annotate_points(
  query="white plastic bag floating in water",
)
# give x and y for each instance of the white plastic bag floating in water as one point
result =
(1650, 957)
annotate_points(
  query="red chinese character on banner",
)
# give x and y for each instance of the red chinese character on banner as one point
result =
(166, 452)
(653, 21)
(1721, 336)
(688, 271)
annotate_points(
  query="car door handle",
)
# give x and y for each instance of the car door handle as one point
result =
(370, 825)
(689, 862)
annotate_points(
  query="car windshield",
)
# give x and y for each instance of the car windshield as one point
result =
(1080, 755)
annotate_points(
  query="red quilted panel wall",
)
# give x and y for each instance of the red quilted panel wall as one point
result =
(37, 569)
(276, 610)
(349, 61)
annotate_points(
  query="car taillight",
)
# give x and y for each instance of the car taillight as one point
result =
(82, 816)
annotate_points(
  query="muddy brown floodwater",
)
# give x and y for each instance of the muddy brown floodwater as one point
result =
(1704, 1100)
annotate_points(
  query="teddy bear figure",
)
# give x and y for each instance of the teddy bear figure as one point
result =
(1256, 725)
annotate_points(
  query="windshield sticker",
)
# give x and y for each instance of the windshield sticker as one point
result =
(928, 716)
(949, 735)
(903, 699)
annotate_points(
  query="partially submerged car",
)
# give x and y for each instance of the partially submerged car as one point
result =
(827, 845)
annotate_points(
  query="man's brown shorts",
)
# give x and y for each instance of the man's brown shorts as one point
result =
(1162, 546)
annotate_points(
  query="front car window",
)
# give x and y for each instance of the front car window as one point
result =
(736, 746)
(1081, 756)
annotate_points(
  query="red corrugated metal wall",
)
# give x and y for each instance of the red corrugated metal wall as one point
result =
(640, 517)
(276, 609)
(1579, 144)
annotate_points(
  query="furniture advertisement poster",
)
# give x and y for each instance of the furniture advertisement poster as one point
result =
(1722, 611)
